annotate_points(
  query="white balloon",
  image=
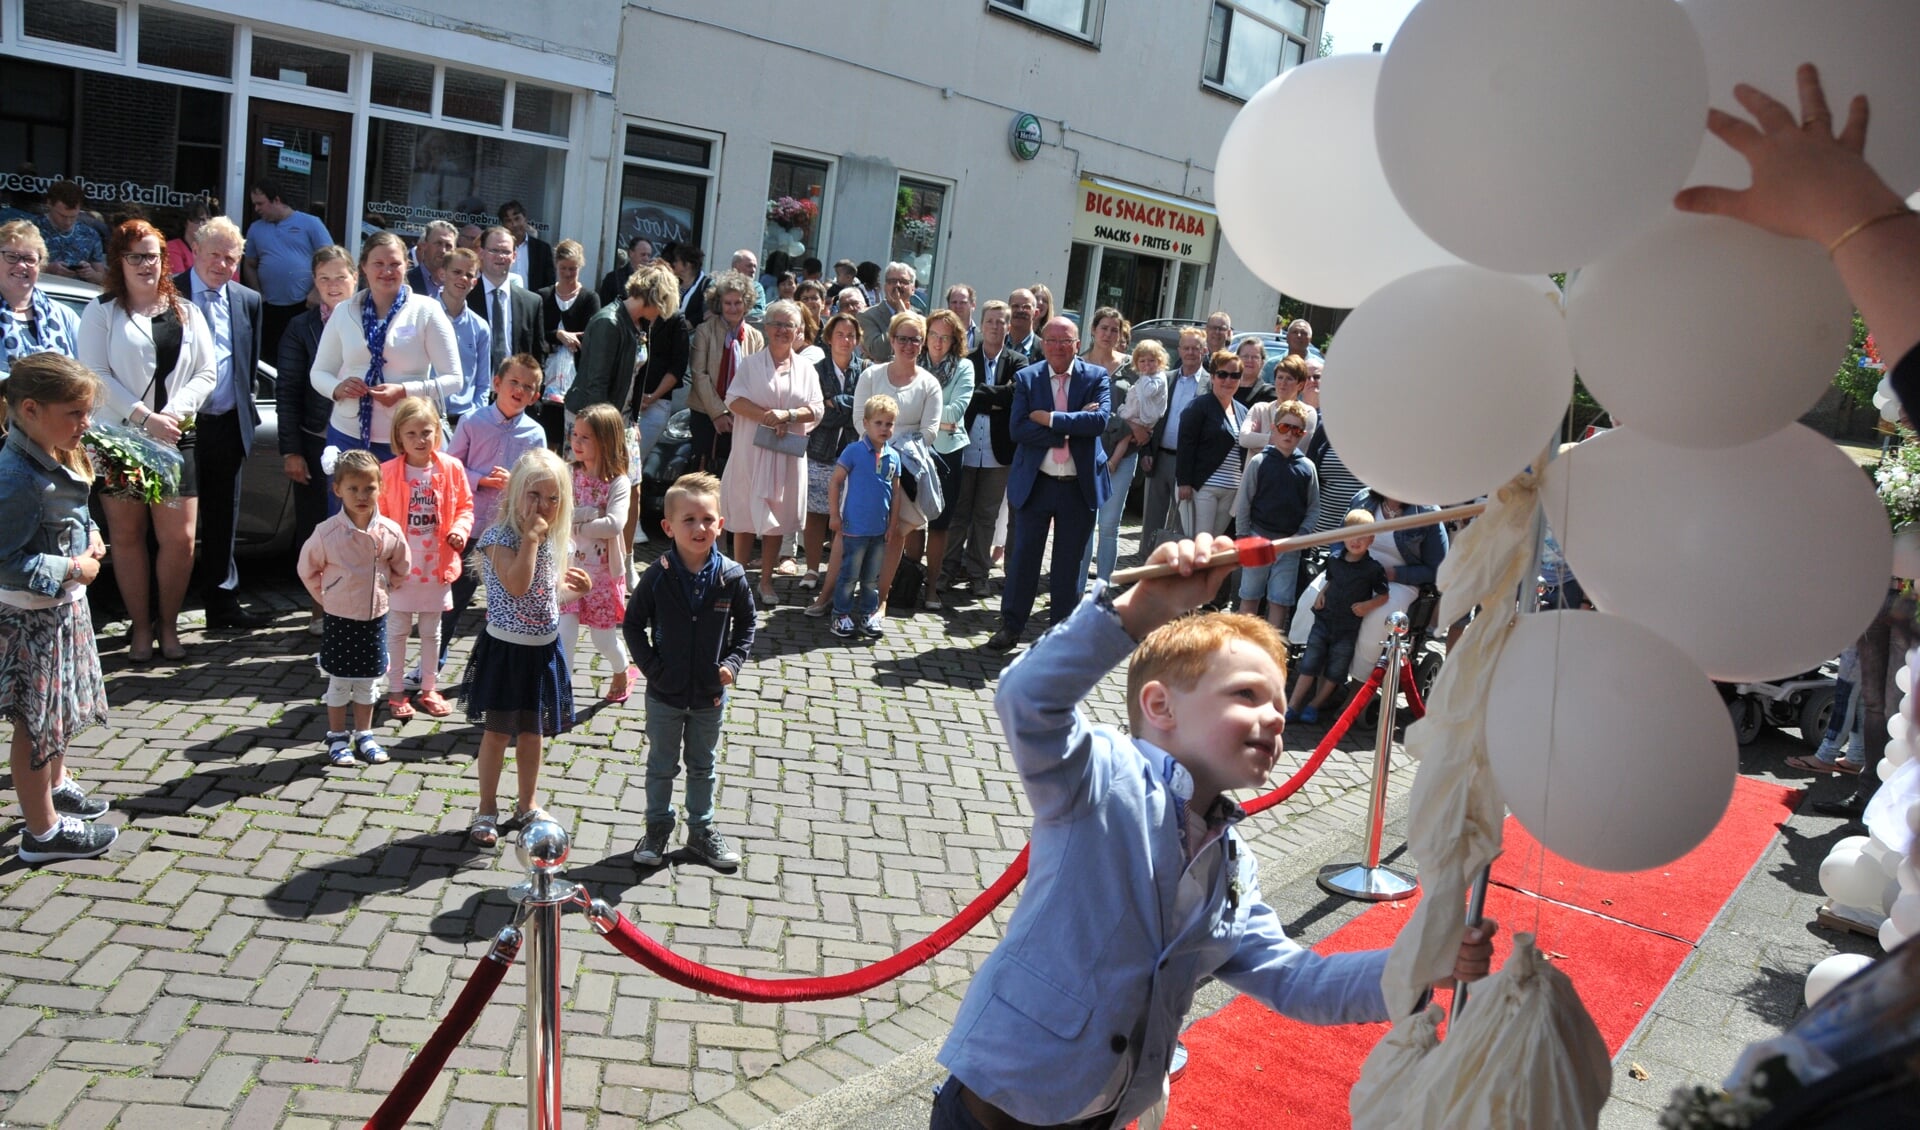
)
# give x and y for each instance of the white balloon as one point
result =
(1890, 411)
(1707, 332)
(1860, 46)
(1851, 843)
(1913, 818)
(1890, 936)
(1359, 239)
(1885, 769)
(1607, 742)
(1513, 134)
(1906, 552)
(1903, 678)
(1827, 975)
(1688, 543)
(1851, 878)
(1900, 752)
(1447, 383)
(1905, 913)
(1889, 894)
(1899, 727)
(1907, 876)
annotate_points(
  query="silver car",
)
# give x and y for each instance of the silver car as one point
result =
(265, 521)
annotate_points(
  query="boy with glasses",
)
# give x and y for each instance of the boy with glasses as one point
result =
(1279, 498)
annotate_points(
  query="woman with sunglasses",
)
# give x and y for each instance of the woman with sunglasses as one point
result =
(1291, 378)
(921, 401)
(1208, 463)
(155, 358)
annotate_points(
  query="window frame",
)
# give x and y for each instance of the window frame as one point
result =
(710, 172)
(934, 283)
(823, 224)
(1096, 19)
(122, 51)
(1309, 43)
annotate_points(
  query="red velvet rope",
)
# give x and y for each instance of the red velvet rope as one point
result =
(426, 1066)
(629, 940)
(1416, 705)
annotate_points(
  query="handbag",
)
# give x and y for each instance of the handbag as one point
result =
(561, 370)
(785, 443)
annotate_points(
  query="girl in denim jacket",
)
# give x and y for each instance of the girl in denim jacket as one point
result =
(50, 550)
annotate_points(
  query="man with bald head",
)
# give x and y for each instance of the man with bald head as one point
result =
(1059, 478)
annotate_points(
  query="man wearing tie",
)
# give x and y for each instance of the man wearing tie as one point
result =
(513, 313)
(224, 425)
(532, 256)
(1059, 476)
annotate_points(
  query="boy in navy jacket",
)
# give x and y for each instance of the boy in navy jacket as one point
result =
(690, 626)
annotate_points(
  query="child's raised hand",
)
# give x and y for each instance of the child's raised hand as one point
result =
(1160, 600)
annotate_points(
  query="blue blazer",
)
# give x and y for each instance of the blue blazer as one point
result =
(244, 319)
(1033, 391)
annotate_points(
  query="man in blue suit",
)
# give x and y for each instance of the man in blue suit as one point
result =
(224, 425)
(1059, 476)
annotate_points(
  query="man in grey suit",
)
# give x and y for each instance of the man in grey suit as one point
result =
(898, 289)
(223, 428)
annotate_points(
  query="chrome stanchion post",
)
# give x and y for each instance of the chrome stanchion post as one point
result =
(1367, 880)
(543, 848)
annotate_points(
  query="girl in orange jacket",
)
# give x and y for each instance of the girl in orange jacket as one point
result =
(425, 492)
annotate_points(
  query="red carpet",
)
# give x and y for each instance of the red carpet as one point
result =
(1253, 1070)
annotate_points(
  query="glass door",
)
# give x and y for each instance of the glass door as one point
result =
(304, 151)
(1130, 283)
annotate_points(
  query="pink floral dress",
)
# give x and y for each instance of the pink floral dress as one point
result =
(606, 605)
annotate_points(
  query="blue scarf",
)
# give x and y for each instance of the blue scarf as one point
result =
(376, 332)
(43, 334)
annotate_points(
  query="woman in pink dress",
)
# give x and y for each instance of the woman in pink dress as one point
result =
(764, 491)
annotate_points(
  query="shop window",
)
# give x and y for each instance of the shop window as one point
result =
(540, 109)
(474, 97)
(36, 119)
(664, 187)
(1075, 17)
(176, 41)
(796, 191)
(76, 23)
(1251, 41)
(299, 65)
(919, 213)
(418, 172)
(403, 84)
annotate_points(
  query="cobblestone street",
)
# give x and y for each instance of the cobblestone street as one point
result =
(272, 939)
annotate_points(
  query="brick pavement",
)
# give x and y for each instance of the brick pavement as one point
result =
(272, 938)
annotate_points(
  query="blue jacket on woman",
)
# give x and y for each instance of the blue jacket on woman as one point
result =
(1423, 548)
(1207, 436)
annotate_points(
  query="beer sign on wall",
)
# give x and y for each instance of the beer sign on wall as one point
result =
(1150, 225)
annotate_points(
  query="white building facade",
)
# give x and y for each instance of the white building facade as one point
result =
(992, 142)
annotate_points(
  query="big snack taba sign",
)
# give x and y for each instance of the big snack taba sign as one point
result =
(1116, 218)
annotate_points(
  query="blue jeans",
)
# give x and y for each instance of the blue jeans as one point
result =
(652, 422)
(1108, 536)
(677, 735)
(860, 560)
(1330, 654)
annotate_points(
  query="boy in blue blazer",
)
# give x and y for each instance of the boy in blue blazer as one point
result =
(1140, 887)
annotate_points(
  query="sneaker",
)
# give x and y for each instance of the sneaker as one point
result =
(874, 627)
(843, 627)
(652, 851)
(711, 847)
(69, 799)
(71, 838)
(411, 681)
(1309, 714)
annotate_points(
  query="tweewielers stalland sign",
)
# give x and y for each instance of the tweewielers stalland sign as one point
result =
(1150, 225)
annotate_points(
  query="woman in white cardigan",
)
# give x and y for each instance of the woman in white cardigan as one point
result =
(155, 358)
(417, 355)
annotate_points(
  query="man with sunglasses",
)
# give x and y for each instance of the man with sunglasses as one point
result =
(874, 320)
(1280, 499)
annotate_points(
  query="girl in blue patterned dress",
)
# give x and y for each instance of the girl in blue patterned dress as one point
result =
(50, 551)
(519, 686)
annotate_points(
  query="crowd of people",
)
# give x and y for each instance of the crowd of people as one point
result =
(861, 447)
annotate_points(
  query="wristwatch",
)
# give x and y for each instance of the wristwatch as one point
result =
(73, 568)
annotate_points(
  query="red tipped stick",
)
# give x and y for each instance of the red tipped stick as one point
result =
(1257, 551)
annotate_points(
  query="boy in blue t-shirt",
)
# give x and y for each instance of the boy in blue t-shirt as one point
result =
(860, 502)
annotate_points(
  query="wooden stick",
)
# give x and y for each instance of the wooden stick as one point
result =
(1288, 545)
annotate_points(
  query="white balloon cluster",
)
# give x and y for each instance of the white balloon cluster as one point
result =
(1440, 194)
(1864, 872)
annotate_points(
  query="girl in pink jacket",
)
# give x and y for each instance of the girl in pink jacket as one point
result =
(424, 491)
(348, 565)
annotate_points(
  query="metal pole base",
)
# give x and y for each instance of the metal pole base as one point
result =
(1368, 884)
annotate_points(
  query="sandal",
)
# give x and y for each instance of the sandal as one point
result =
(399, 707)
(521, 818)
(433, 704)
(370, 751)
(485, 830)
(810, 582)
(339, 750)
(1815, 765)
(626, 691)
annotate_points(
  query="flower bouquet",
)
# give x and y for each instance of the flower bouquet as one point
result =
(918, 232)
(132, 464)
(792, 212)
(1898, 481)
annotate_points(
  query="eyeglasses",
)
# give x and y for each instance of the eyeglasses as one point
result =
(786, 326)
(1294, 430)
(141, 258)
(913, 341)
(1226, 374)
(21, 258)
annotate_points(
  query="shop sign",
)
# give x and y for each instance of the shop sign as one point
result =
(1149, 226)
(293, 162)
(107, 192)
(1023, 137)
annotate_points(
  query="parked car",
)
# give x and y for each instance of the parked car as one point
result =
(265, 525)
